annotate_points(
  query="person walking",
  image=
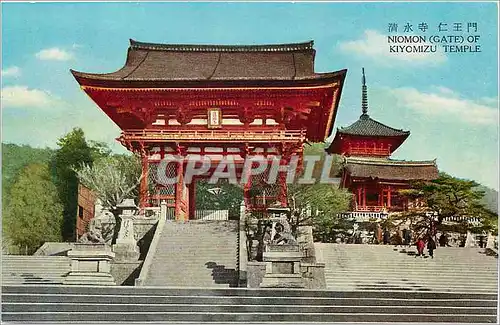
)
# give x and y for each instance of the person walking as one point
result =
(431, 246)
(387, 236)
(407, 237)
(378, 234)
(443, 240)
(420, 247)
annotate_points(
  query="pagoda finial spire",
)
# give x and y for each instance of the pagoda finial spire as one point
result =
(364, 95)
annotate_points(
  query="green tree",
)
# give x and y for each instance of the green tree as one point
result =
(112, 179)
(14, 159)
(316, 205)
(320, 204)
(448, 198)
(99, 149)
(35, 213)
(73, 152)
(229, 198)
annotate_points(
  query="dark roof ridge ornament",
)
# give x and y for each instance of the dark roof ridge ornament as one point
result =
(288, 47)
(364, 96)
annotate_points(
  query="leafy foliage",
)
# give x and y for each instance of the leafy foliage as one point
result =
(316, 205)
(35, 213)
(448, 198)
(14, 159)
(73, 152)
(230, 197)
(490, 198)
(112, 178)
(325, 201)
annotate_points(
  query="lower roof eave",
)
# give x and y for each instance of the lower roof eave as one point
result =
(107, 81)
(388, 180)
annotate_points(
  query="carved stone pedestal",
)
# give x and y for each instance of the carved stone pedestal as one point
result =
(90, 265)
(282, 267)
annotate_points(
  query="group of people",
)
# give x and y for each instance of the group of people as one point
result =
(404, 238)
(431, 246)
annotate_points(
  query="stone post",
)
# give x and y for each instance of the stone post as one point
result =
(469, 240)
(243, 254)
(163, 210)
(126, 248)
(490, 242)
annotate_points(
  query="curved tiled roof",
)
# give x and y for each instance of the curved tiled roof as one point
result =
(390, 169)
(366, 126)
(183, 62)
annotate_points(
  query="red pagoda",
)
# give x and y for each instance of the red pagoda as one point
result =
(217, 101)
(368, 171)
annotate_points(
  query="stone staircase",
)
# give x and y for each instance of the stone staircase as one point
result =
(24, 269)
(354, 267)
(195, 254)
(79, 304)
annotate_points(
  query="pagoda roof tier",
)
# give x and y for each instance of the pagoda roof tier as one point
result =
(366, 126)
(181, 65)
(390, 169)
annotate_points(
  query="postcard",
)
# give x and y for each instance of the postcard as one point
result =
(243, 162)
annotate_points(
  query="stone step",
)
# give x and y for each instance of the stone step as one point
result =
(270, 316)
(410, 267)
(186, 249)
(411, 280)
(372, 267)
(390, 273)
(341, 286)
(106, 292)
(366, 288)
(28, 275)
(255, 308)
(250, 300)
(141, 304)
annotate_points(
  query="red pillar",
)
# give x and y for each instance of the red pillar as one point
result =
(143, 187)
(381, 195)
(389, 197)
(358, 199)
(179, 193)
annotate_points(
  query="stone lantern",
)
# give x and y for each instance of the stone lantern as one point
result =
(126, 248)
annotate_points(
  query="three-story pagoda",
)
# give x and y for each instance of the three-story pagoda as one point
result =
(369, 172)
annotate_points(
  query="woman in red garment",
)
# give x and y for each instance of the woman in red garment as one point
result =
(420, 247)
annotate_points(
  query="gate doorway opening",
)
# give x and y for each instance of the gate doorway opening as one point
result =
(219, 201)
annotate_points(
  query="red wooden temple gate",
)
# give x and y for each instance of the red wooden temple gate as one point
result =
(215, 101)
